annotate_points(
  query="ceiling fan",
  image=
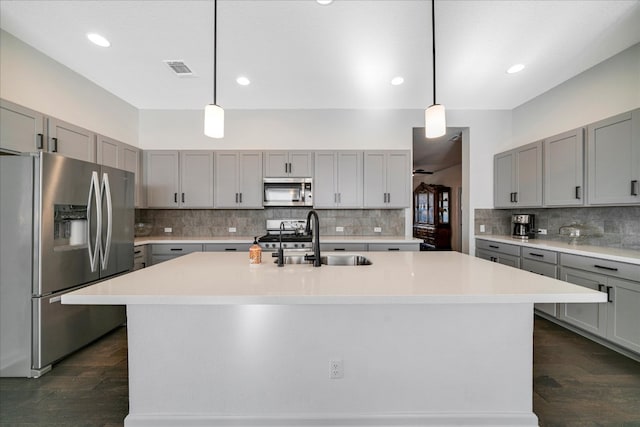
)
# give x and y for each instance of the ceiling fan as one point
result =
(422, 172)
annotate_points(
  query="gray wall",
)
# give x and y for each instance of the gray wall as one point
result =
(619, 226)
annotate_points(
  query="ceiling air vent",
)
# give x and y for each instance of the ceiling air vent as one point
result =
(179, 67)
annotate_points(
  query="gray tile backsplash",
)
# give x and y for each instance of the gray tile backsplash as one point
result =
(619, 225)
(251, 222)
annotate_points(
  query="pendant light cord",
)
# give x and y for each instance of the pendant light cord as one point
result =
(433, 38)
(215, 48)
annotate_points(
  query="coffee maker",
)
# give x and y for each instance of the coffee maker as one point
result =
(523, 226)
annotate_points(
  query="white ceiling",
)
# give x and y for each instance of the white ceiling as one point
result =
(299, 54)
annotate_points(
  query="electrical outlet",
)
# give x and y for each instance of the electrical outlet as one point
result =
(340, 229)
(482, 229)
(336, 369)
(377, 229)
(232, 229)
(168, 229)
(542, 231)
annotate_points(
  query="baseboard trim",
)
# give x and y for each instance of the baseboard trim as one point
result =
(347, 420)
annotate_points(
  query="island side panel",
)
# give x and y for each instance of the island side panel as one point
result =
(434, 363)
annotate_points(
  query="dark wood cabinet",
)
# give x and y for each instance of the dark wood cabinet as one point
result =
(432, 215)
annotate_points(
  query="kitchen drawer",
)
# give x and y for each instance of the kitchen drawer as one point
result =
(343, 247)
(403, 247)
(540, 255)
(601, 266)
(139, 252)
(227, 247)
(539, 267)
(180, 249)
(503, 248)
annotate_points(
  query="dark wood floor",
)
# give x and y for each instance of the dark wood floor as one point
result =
(577, 383)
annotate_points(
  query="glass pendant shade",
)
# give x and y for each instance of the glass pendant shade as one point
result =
(214, 121)
(435, 124)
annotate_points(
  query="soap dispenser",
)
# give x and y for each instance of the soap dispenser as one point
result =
(255, 252)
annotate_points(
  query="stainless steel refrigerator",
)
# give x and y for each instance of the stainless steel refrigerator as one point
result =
(64, 224)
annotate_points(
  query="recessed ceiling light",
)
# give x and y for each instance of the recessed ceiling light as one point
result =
(98, 39)
(324, 2)
(243, 81)
(515, 68)
(396, 81)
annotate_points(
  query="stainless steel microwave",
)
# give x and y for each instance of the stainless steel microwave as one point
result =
(287, 192)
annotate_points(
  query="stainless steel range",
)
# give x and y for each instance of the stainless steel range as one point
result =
(293, 235)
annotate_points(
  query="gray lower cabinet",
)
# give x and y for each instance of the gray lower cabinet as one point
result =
(140, 257)
(71, 140)
(338, 247)
(502, 253)
(617, 320)
(613, 153)
(227, 247)
(164, 252)
(394, 247)
(518, 177)
(545, 263)
(564, 169)
(21, 129)
(196, 179)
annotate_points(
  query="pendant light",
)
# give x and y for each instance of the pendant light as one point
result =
(435, 124)
(213, 113)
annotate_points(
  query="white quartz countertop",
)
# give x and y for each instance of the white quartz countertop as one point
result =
(248, 239)
(612, 254)
(214, 278)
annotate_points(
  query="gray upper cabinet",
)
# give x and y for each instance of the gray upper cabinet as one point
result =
(564, 169)
(238, 179)
(162, 178)
(293, 164)
(386, 179)
(338, 179)
(179, 179)
(119, 155)
(109, 151)
(71, 140)
(21, 129)
(196, 179)
(613, 165)
(518, 177)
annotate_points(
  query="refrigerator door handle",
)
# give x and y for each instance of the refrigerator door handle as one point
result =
(105, 190)
(94, 191)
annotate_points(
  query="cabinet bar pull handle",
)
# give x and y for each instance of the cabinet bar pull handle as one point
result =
(605, 268)
(182, 197)
(236, 197)
(137, 252)
(609, 294)
(339, 249)
(175, 197)
(176, 249)
(515, 197)
(600, 286)
(55, 145)
(634, 187)
(578, 196)
(538, 255)
(40, 143)
(393, 249)
(494, 246)
(240, 197)
(339, 197)
(388, 197)
(230, 249)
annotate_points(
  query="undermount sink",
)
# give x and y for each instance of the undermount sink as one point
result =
(329, 260)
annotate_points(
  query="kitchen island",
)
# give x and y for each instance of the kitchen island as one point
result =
(416, 338)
